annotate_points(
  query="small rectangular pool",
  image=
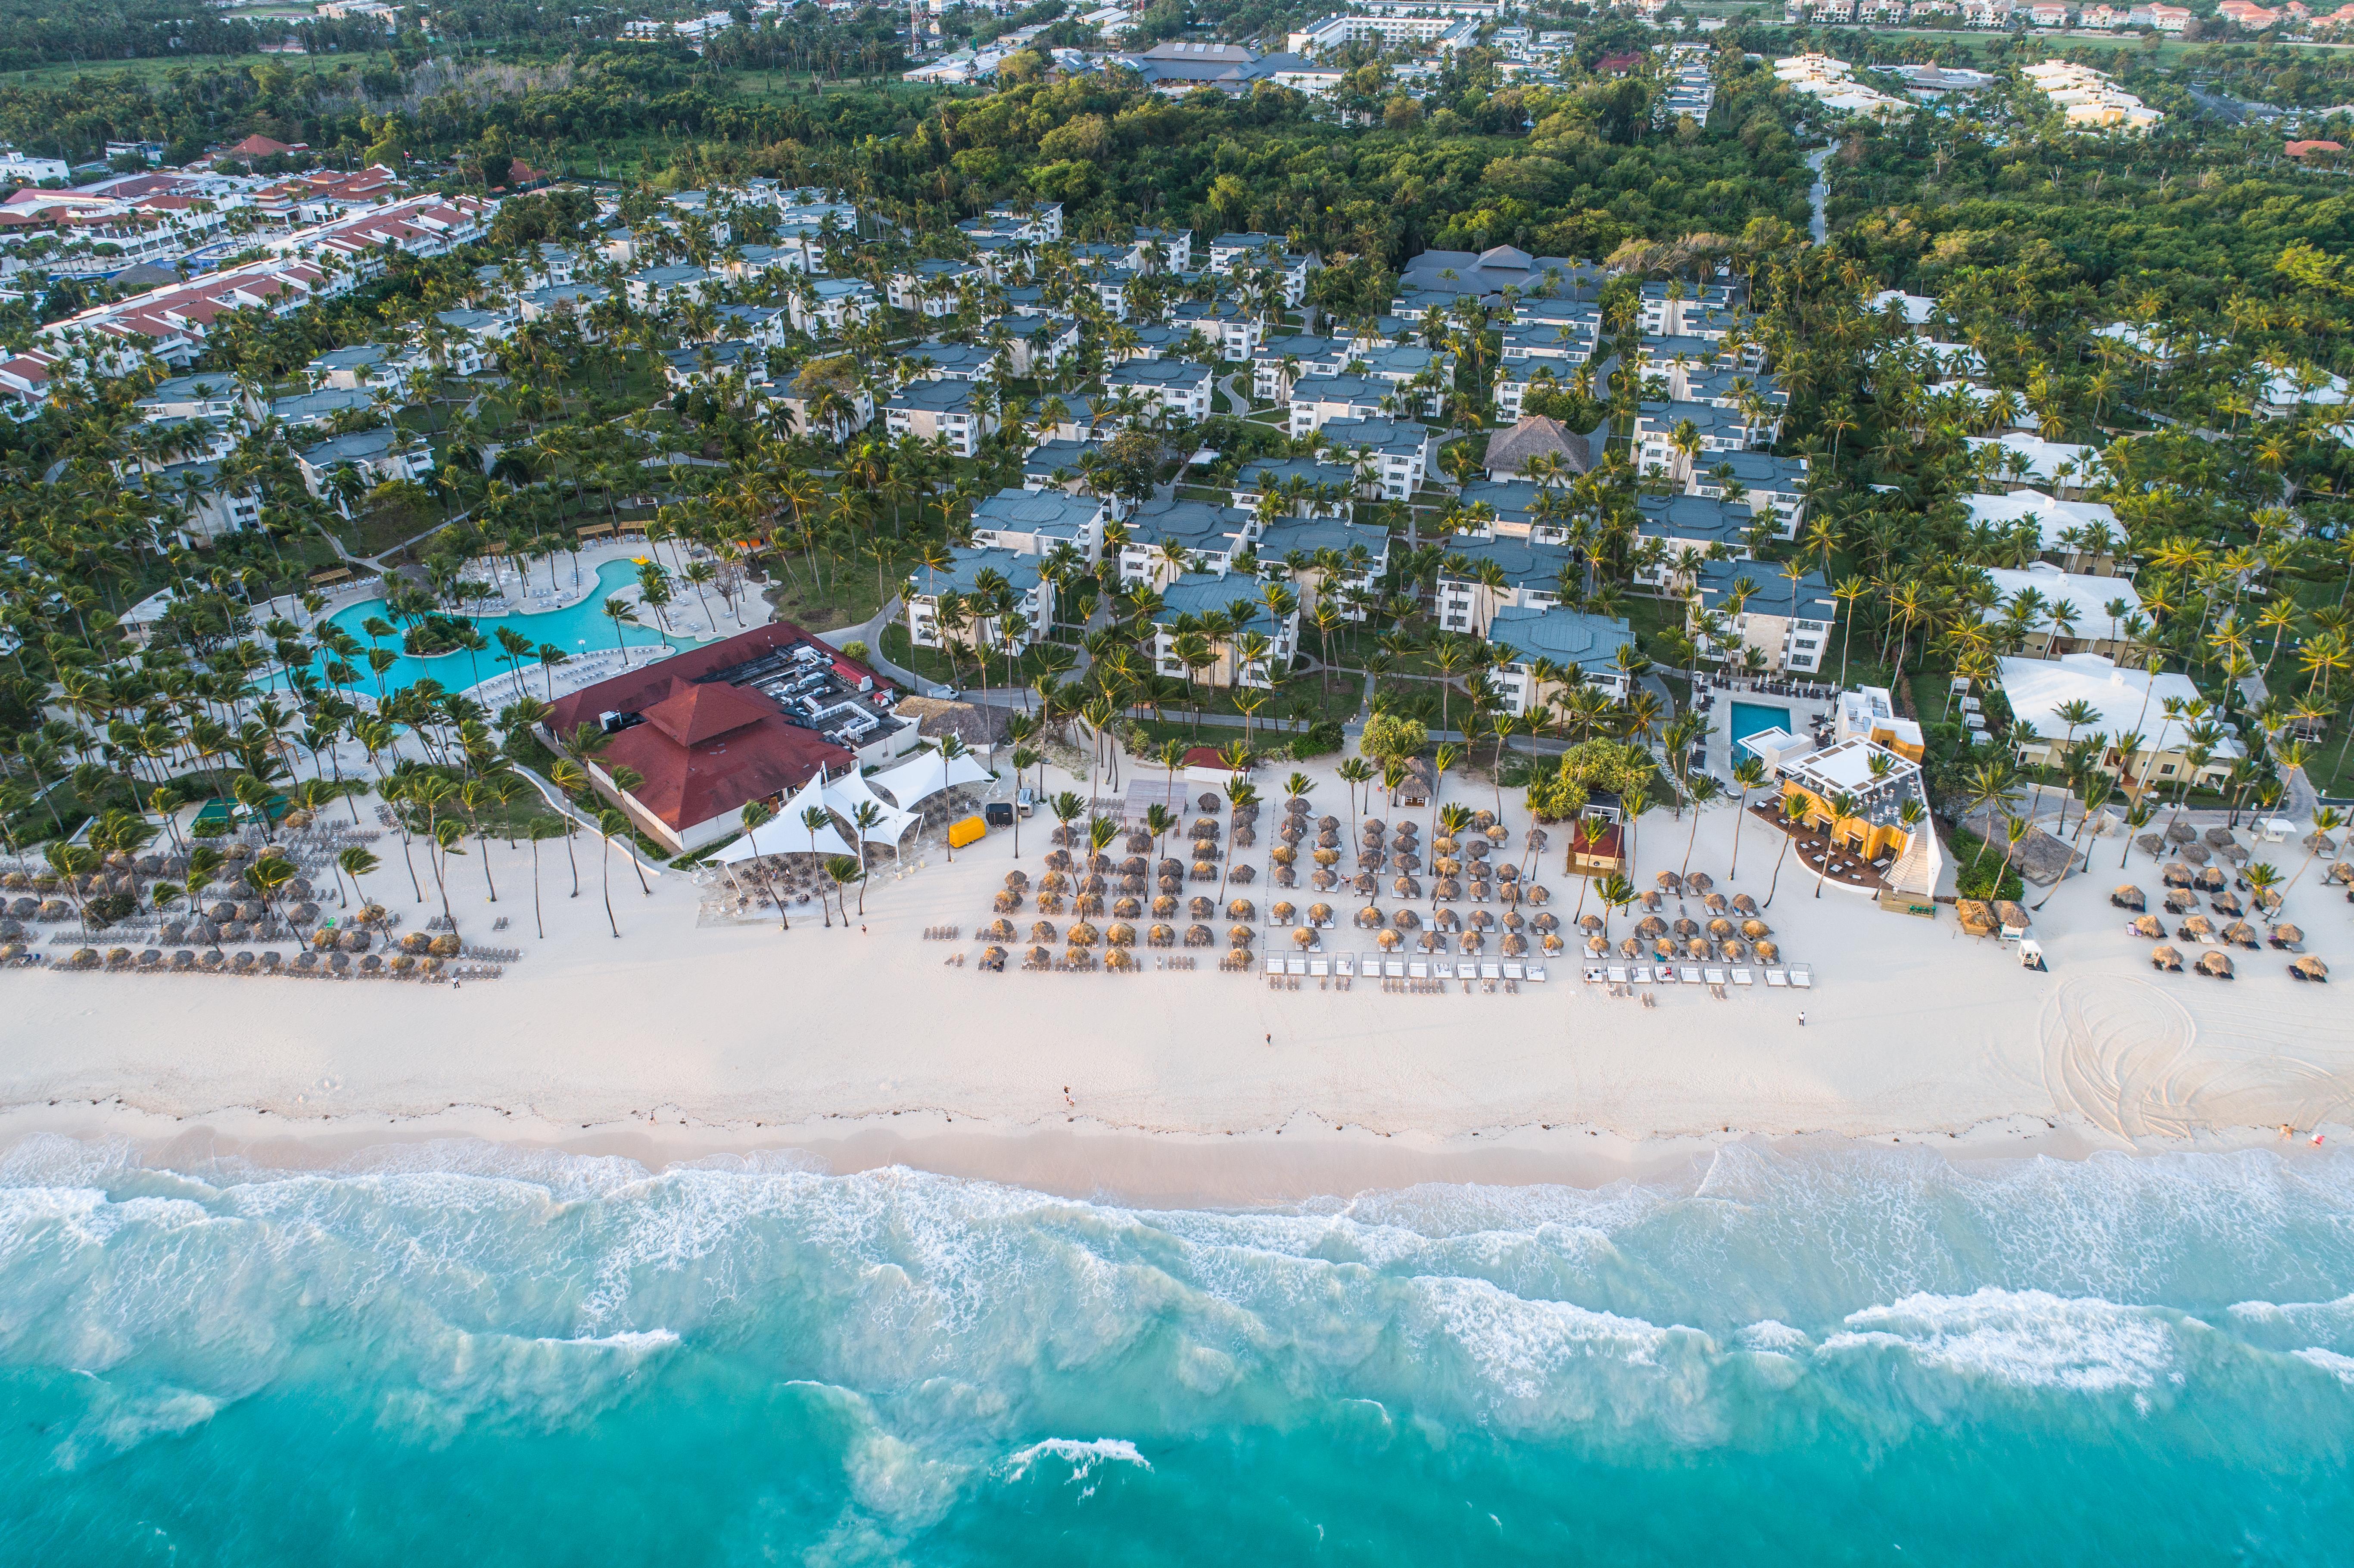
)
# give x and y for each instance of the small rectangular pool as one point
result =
(1752, 718)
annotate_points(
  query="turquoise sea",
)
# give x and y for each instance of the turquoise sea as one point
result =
(459, 1353)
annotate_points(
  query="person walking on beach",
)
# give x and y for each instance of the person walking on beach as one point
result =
(1802, 1021)
(1068, 1099)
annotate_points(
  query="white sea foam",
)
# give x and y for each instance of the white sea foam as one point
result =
(2338, 1366)
(2028, 1339)
(1082, 1456)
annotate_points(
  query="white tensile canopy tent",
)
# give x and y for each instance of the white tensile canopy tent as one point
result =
(786, 835)
(926, 776)
(849, 792)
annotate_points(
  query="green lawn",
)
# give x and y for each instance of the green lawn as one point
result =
(66, 73)
(844, 594)
(934, 665)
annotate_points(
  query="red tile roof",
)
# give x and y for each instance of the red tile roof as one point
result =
(705, 750)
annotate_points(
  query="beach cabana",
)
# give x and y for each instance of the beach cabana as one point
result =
(784, 835)
(921, 777)
(2166, 958)
(2130, 897)
(2309, 967)
(2216, 966)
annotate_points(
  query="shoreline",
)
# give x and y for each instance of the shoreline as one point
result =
(1303, 1161)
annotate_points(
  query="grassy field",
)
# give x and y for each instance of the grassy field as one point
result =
(66, 73)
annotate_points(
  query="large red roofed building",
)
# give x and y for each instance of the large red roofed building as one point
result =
(751, 718)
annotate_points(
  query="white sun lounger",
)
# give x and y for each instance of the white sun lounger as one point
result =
(1715, 977)
(1490, 971)
(1393, 969)
(1743, 976)
(1536, 972)
(1618, 974)
(1689, 974)
(1512, 971)
(1417, 971)
(1318, 967)
(1640, 974)
(1344, 964)
(1777, 977)
(1443, 971)
(1295, 966)
(1803, 978)
(1274, 962)
(1592, 975)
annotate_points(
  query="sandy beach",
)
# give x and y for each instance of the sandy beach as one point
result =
(686, 1039)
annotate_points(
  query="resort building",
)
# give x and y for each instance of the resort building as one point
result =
(1301, 486)
(1316, 400)
(975, 599)
(834, 305)
(1037, 522)
(2125, 701)
(1788, 624)
(1394, 455)
(1536, 446)
(939, 411)
(1547, 650)
(710, 729)
(1479, 578)
(1173, 388)
(2088, 100)
(1170, 539)
(2061, 468)
(2065, 613)
(1254, 648)
(2080, 537)
(1326, 557)
(1869, 712)
(1767, 482)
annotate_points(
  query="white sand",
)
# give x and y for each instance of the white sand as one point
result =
(861, 1048)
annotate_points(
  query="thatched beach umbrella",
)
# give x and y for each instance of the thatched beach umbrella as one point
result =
(1736, 950)
(1242, 909)
(1471, 942)
(1653, 901)
(1446, 920)
(2288, 936)
(2126, 895)
(1406, 887)
(1670, 880)
(1590, 922)
(1239, 936)
(1768, 953)
(2224, 903)
(1546, 923)
(2174, 874)
(2148, 926)
(1514, 922)
(1696, 948)
(1199, 935)
(1597, 946)
(1534, 893)
(1551, 945)
(1303, 938)
(1754, 929)
(1120, 934)
(2210, 879)
(1162, 937)
(2164, 957)
(1322, 882)
(1282, 914)
(1126, 909)
(1515, 946)
(2216, 965)
(1370, 917)
(1039, 959)
(1201, 907)
(1388, 940)
(2239, 932)
(1164, 907)
(1043, 931)
(1407, 919)
(2309, 967)
(1650, 926)
(1119, 958)
(2198, 928)
(1319, 913)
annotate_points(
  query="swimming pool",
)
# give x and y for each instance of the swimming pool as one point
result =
(1751, 718)
(578, 629)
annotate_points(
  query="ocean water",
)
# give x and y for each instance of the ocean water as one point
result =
(460, 1353)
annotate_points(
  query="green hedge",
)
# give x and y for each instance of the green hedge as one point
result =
(1977, 874)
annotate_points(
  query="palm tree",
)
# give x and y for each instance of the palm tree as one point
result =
(355, 862)
(816, 820)
(609, 824)
(2326, 819)
(1704, 789)
(626, 780)
(1617, 894)
(1749, 773)
(538, 830)
(1355, 772)
(758, 814)
(842, 870)
(1844, 805)
(1793, 817)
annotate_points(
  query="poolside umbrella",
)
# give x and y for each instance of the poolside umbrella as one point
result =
(2148, 926)
(1369, 918)
(1242, 909)
(1407, 919)
(2241, 934)
(1239, 936)
(2287, 936)
(1388, 940)
(1120, 934)
(2309, 967)
(1651, 925)
(1043, 931)
(1446, 920)
(2217, 965)
(1754, 929)
(2127, 896)
(1198, 935)
(2163, 956)
(1319, 913)
(1303, 938)
(1126, 909)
